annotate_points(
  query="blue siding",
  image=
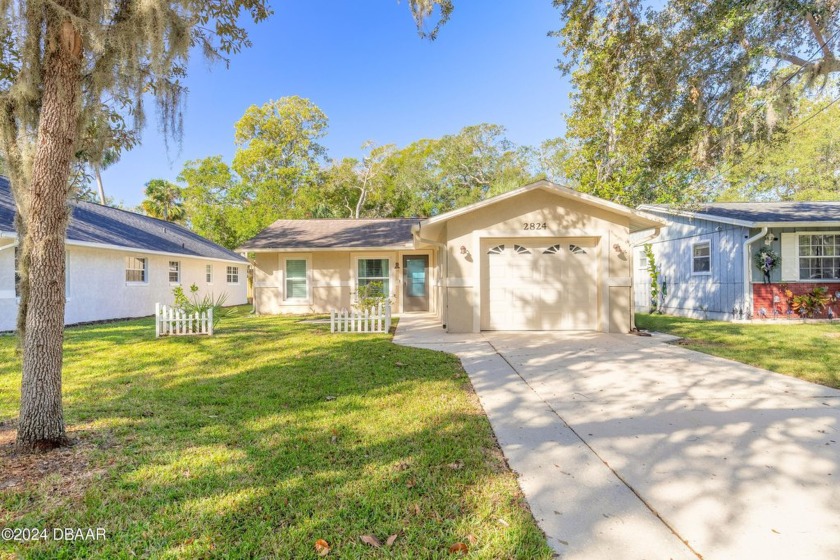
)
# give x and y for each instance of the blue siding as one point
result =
(776, 275)
(712, 296)
(717, 295)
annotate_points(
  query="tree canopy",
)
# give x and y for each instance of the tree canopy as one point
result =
(164, 200)
(664, 96)
(281, 170)
(801, 165)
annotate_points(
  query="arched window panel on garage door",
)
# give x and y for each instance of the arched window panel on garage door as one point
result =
(497, 250)
(577, 250)
(520, 250)
(553, 250)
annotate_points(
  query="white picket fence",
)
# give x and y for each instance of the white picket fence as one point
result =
(374, 320)
(175, 322)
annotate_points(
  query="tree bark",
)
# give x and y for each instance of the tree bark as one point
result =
(41, 423)
(99, 186)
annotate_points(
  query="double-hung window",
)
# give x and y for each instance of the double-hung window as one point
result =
(642, 263)
(701, 258)
(374, 271)
(136, 270)
(819, 257)
(233, 275)
(208, 273)
(297, 285)
(174, 272)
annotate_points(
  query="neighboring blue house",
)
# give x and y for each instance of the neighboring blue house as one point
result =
(702, 256)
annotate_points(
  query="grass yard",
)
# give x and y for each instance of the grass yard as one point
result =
(256, 443)
(805, 350)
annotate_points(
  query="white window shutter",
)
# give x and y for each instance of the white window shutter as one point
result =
(790, 257)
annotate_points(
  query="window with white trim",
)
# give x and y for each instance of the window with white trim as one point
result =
(208, 273)
(819, 256)
(701, 258)
(174, 272)
(374, 270)
(233, 275)
(642, 260)
(297, 284)
(136, 270)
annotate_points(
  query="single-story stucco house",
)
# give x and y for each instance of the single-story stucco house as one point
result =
(119, 264)
(541, 257)
(706, 257)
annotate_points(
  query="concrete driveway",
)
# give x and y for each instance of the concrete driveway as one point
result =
(628, 447)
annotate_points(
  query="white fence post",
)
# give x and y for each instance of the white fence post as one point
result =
(170, 321)
(372, 320)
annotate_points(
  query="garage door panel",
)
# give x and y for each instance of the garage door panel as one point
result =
(539, 284)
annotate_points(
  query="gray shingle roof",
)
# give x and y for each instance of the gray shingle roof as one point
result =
(333, 234)
(767, 212)
(94, 223)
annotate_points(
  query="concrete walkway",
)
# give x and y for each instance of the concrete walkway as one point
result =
(627, 447)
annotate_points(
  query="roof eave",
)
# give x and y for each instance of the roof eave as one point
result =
(799, 223)
(123, 248)
(697, 215)
(244, 249)
(639, 218)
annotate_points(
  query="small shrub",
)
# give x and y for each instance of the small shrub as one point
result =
(370, 295)
(200, 305)
(654, 278)
(811, 303)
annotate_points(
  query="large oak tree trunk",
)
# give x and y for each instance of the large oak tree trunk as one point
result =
(41, 424)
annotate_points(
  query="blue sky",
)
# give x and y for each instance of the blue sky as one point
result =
(364, 65)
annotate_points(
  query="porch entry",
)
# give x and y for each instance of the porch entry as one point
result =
(415, 283)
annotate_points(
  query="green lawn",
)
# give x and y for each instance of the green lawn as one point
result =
(261, 440)
(805, 350)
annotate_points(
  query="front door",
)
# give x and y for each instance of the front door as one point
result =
(415, 283)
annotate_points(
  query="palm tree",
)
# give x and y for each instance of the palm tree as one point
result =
(164, 200)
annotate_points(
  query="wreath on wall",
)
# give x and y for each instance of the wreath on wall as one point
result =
(766, 260)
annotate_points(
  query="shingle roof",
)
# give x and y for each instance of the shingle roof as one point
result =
(766, 212)
(333, 234)
(94, 223)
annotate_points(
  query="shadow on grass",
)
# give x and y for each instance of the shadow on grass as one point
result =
(270, 435)
(804, 350)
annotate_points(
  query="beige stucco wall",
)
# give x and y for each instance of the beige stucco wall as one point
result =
(458, 301)
(564, 218)
(97, 290)
(332, 280)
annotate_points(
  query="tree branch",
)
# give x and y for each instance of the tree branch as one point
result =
(793, 59)
(815, 29)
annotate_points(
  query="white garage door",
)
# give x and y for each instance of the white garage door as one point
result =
(539, 284)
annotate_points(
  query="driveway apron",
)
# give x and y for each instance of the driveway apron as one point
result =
(628, 447)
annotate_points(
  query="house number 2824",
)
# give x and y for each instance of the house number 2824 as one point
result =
(534, 225)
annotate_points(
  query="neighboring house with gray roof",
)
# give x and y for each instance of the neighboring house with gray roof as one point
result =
(540, 257)
(706, 257)
(119, 263)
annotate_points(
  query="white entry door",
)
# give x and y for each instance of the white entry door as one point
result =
(539, 284)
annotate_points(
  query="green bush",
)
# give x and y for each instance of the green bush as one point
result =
(194, 304)
(370, 295)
